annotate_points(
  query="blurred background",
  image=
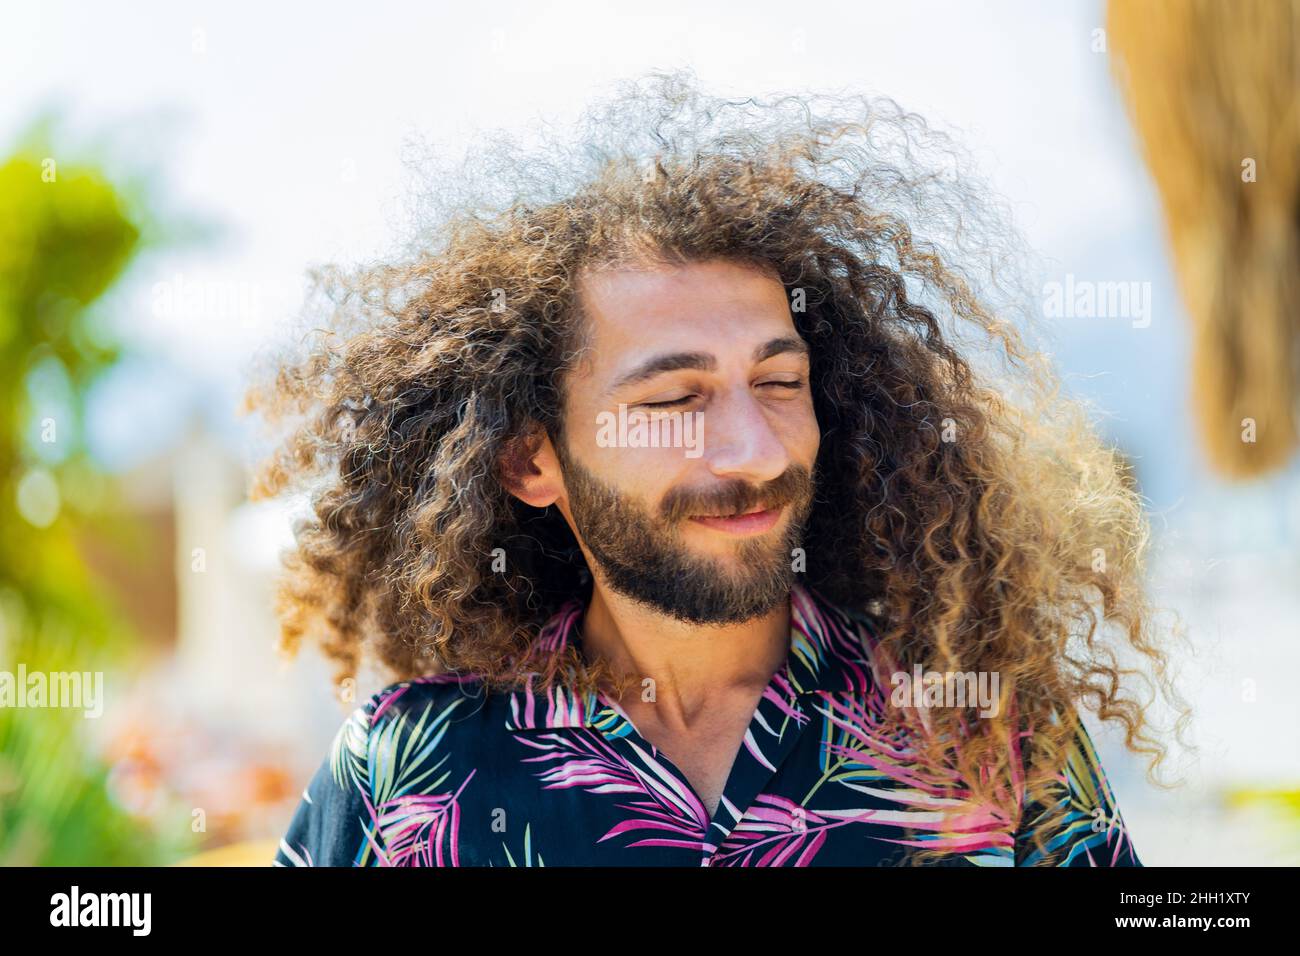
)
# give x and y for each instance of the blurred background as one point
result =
(169, 175)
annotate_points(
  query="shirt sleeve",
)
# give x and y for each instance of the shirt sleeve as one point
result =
(335, 824)
(1091, 832)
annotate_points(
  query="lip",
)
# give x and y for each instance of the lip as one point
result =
(756, 522)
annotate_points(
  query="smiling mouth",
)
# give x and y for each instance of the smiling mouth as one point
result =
(756, 520)
(736, 514)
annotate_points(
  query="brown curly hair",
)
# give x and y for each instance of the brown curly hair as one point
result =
(973, 514)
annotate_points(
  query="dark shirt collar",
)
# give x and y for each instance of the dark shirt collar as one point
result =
(829, 653)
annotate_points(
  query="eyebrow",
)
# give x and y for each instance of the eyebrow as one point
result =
(704, 361)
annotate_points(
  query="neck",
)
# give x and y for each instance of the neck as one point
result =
(690, 664)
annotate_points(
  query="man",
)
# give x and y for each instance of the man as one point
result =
(694, 541)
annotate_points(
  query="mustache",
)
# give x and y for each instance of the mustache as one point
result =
(794, 484)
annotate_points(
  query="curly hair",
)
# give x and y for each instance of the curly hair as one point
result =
(973, 515)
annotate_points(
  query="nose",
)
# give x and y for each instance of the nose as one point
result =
(740, 442)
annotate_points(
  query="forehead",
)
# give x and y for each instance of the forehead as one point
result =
(715, 306)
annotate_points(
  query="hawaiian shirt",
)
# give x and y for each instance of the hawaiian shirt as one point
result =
(436, 772)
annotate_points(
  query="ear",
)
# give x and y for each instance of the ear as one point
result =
(530, 470)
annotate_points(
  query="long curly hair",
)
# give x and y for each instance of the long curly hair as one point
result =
(971, 513)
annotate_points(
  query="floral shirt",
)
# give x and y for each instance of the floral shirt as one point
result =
(433, 772)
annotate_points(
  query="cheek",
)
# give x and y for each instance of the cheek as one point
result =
(814, 438)
(650, 474)
(803, 434)
(643, 475)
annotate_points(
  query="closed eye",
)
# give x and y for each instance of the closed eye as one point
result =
(676, 401)
(791, 386)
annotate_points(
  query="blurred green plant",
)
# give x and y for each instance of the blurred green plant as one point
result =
(1283, 805)
(1286, 802)
(65, 237)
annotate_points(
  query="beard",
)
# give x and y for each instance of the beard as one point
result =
(643, 555)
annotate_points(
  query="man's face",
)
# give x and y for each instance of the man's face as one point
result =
(707, 357)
